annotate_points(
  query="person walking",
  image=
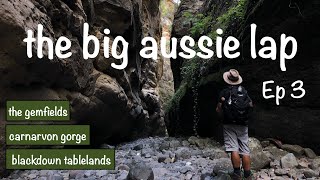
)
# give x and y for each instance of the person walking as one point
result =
(234, 104)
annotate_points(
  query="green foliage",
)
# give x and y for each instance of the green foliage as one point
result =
(188, 15)
(205, 25)
(190, 68)
(175, 100)
(166, 9)
(199, 23)
(235, 13)
(212, 34)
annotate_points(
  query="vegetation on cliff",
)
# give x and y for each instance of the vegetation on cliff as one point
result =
(201, 79)
(205, 23)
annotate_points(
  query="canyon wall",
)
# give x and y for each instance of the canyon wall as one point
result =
(198, 82)
(118, 104)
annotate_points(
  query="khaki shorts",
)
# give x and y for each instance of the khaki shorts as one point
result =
(236, 138)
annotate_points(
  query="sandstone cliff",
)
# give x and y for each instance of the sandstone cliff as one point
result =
(119, 105)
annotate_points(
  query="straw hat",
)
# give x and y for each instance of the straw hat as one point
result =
(232, 77)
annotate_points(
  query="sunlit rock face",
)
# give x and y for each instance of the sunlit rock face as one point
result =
(118, 104)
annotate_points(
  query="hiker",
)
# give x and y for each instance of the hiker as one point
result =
(234, 104)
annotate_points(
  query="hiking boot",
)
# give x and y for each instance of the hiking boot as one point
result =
(249, 178)
(235, 176)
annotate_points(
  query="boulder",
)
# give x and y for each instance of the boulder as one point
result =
(280, 172)
(196, 152)
(303, 163)
(140, 171)
(101, 173)
(295, 149)
(259, 160)
(309, 173)
(315, 163)
(222, 166)
(222, 177)
(159, 172)
(288, 161)
(138, 147)
(192, 140)
(183, 153)
(263, 175)
(123, 175)
(186, 169)
(169, 160)
(76, 173)
(255, 145)
(164, 146)
(276, 152)
(271, 172)
(214, 153)
(162, 158)
(32, 176)
(310, 153)
(123, 167)
(203, 143)
(265, 143)
(185, 143)
(174, 144)
(275, 164)
(292, 173)
(206, 176)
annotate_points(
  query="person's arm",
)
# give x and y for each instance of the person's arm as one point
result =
(219, 105)
(218, 108)
(250, 103)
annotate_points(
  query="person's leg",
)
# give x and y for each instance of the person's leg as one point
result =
(232, 146)
(243, 140)
(235, 158)
(246, 165)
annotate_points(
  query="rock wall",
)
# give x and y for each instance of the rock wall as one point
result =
(119, 105)
(166, 89)
(295, 120)
(181, 27)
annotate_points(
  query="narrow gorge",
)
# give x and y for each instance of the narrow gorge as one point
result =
(161, 113)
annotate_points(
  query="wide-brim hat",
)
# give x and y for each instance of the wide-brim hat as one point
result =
(232, 77)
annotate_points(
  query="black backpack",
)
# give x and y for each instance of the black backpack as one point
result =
(236, 106)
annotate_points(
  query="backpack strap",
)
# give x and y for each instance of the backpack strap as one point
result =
(230, 94)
